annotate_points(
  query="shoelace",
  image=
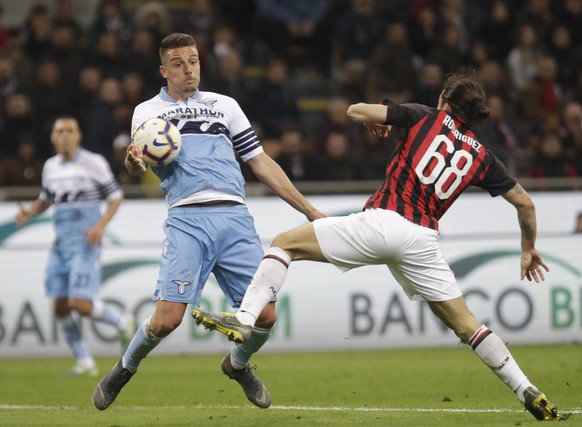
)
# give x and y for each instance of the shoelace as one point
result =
(250, 377)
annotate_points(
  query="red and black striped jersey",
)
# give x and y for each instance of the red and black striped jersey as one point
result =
(436, 158)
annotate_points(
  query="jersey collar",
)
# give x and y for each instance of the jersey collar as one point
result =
(166, 96)
(75, 157)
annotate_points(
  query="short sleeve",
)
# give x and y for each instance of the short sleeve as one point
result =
(497, 179)
(405, 115)
(102, 174)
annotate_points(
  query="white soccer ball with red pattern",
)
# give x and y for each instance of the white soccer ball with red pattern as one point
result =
(160, 141)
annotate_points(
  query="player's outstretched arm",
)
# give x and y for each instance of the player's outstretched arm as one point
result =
(532, 265)
(271, 174)
(368, 113)
(373, 116)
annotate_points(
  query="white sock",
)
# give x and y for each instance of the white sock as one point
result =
(142, 343)
(493, 352)
(71, 329)
(108, 314)
(265, 285)
(87, 363)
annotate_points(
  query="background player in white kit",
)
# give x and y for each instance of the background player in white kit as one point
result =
(76, 181)
(208, 229)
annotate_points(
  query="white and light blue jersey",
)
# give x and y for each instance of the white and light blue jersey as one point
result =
(213, 128)
(76, 188)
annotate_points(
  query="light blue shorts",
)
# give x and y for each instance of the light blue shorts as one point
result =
(211, 239)
(73, 271)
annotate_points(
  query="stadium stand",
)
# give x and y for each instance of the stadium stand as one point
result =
(55, 57)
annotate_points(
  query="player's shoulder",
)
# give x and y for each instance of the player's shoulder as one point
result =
(420, 108)
(86, 156)
(148, 109)
(206, 94)
(150, 104)
(52, 162)
(207, 97)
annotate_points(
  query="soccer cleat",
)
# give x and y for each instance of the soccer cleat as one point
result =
(225, 323)
(253, 388)
(125, 335)
(539, 406)
(83, 371)
(109, 387)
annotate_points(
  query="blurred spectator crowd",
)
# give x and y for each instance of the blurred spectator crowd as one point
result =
(295, 66)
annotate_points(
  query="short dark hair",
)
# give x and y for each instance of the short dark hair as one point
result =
(464, 93)
(174, 41)
(67, 117)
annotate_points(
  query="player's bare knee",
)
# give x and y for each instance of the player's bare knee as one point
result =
(82, 307)
(61, 307)
(165, 326)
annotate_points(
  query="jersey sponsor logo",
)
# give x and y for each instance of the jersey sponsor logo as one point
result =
(186, 113)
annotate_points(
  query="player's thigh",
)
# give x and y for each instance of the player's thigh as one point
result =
(238, 253)
(85, 274)
(184, 265)
(301, 243)
(365, 238)
(422, 270)
(57, 276)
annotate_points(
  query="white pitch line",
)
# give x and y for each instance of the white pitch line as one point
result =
(292, 408)
(50, 408)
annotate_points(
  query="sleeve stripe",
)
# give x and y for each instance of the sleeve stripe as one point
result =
(245, 144)
(112, 185)
(245, 150)
(246, 141)
(243, 134)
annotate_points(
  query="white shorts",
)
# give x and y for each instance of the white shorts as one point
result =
(379, 236)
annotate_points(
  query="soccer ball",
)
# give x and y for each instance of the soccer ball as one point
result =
(160, 141)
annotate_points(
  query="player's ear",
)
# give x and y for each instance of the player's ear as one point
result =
(447, 107)
(443, 104)
(163, 71)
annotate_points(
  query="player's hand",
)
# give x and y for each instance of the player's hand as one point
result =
(315, 215)
(22, 216)
(134, 157)
(94, 236)
(532, 266)
(380, 131)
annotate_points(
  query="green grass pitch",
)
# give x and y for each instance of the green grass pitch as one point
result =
(412, 387)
